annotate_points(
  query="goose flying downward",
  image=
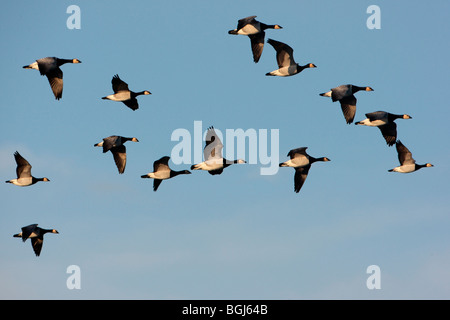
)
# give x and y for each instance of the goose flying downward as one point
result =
(407, 163)
(36, 234)
(345, 95)
(162, 171)
(385, 122)
(285, 59)
(49, 67)
(23, 172)
(301, 162)
(123, 94)
(115, 144)
(255, 30)
(214, 162)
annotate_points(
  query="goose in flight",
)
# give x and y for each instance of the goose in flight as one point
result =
(345, 95)
(301, 162)
(23, 172)
(36, 234)
(123, 94)
(214, 162)
(385, 122)
(49, 67)
(162, 171)
(255, 30)
(407, 162)
(115, 144)
(285, 59)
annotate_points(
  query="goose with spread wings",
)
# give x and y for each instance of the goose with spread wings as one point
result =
(385, 122)
(36, 235)
(285, 59)
(162, 171)
(115, 144)
(123, 94)
(214, 162)
(407, 162)
(345, 95)
(23, 172)
(255, 30)
(50, 67)
(301, 162)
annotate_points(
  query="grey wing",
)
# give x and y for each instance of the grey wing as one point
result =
(340, 92)
(257, 43)
(109, 143)
(23, 169)
(377, 115)
(213, 146)
(161, 164)
(299, 152)
(389, 132)
(55, 78)
(46, 65)
(244, 21)
(285, 54)
(404, 155)
(120, 157)
(300, 176)
(348, 106)
(28, 230)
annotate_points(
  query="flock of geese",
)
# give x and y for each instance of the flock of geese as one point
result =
(214, 163)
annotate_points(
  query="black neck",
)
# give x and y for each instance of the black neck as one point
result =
(356, 88)
(62, 61)
(312, 159)
(266, 26)
(175, 173)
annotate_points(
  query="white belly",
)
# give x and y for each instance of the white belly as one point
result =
(119, 96)
(248, 29)
(405, 168)
(285, 71)
(162, 175)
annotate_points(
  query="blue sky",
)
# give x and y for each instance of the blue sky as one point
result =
(240, 235)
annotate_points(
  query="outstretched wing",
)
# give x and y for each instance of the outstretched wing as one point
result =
(132, 104)
(120, 157)
(299, 152)
(300, 176)
(161, 164)
(404, 155)
(23, 167)
(27, 231)
(389, 132)
(257, 43)
(55, 78)
(213, 146)
(348, 106)
(156, 183)
(118, 84)
(285, 54)
(244, 21)
(37, 243)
